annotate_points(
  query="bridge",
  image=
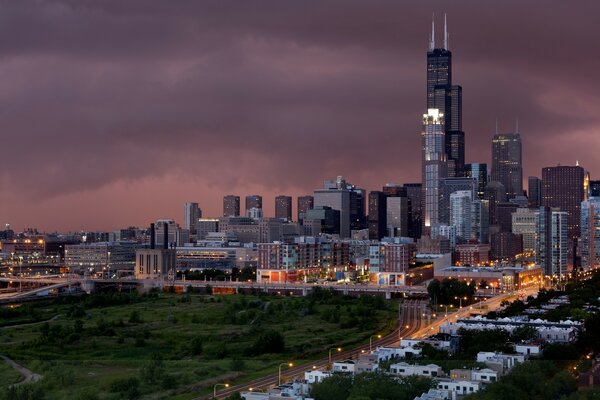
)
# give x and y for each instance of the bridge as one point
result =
(43, 286)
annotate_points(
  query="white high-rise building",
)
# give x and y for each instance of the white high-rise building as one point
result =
(590, 233)
(434, 165)
(460, 214)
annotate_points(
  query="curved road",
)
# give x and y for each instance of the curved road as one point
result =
(409, 323)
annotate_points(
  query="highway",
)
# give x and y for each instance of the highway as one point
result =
(408, 324)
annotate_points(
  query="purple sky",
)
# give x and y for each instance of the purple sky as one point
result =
(114, 113)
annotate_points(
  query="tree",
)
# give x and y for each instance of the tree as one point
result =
(336, 387)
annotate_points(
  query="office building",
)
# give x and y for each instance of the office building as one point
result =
(524, 223)
(231, 206)
(478, 171)
(283, 207)
(347, 199)
(414, 193)
(394, 190)
(552, 243)
(495, 193)
(449, 186)
(590, 233)
(447, 98)
(254, 201)
(434, 168)
(564, 187)
(328, 218)
(191, 215)
(594, 189)
(377, 219)
(460, 214)
(206, 226)
(305, 203)
(507, 167)
(397, 216)
(534, 192)
(504, 212)
(480, 216)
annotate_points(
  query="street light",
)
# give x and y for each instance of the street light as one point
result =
(371, 341)
(289, 364)
(226, 385)
(330, 350)
(460, 300)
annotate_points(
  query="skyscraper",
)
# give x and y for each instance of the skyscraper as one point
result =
(552, 244)
(283, 207)
(534, 192)
(377, 215)
(563, 188)
(507, 167)
(347, 199)
(480, 173)
(231, 206)
(460, 214)
(594, 188)
(253, 201)
(191, 215)
(447, 98)
(305, 203)
(434, 167)
(414, 193)
(397, 214)
(590, 238)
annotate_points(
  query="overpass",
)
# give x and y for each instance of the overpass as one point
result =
(88, 284)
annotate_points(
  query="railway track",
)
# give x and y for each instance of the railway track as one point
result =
(409, 322)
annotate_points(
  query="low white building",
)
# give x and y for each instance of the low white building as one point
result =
(344, 366)
(435, 394)
(554, 332)
(528, 349)
(484, 375)
(460, 387)
(315, 376)
(499, 362)
(405, 369)
(438, 344)
(387, 353)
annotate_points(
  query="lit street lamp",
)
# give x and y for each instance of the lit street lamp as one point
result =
(371, 341)
(226, 385)
(330, 350)
(281, 365)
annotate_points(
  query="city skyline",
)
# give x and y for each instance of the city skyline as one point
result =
(90, 139)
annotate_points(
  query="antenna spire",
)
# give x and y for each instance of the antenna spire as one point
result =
(432, 38)
(517, 126)
(445, 33)
(496, 125)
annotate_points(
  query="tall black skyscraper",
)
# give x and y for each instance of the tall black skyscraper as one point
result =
(507, 167)
(441, 94)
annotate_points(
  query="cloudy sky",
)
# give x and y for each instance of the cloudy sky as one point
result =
(114, 113)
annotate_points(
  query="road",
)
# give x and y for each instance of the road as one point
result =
(409, 323)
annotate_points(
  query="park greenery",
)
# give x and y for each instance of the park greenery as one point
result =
(450, 290)
(164, 345)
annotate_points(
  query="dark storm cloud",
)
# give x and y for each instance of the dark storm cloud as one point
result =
(278, 94)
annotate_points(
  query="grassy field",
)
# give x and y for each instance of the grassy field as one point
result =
(176, 346)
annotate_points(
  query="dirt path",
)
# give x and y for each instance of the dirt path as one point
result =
(29, 376)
